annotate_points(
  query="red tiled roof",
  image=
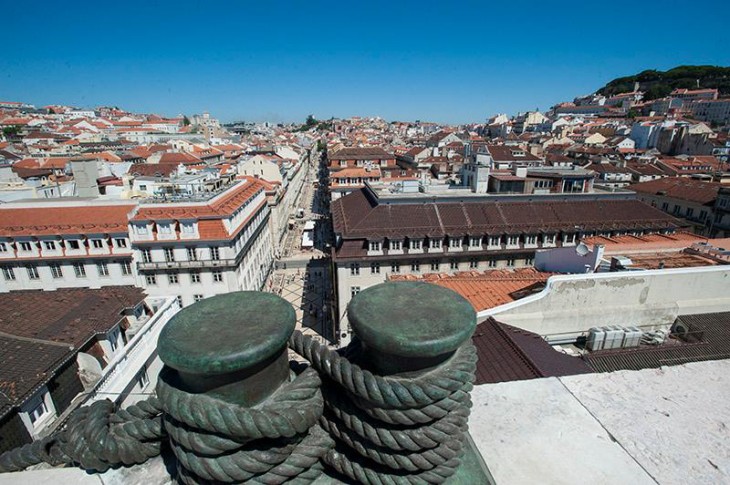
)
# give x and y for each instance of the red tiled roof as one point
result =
(224, 206)
(60, 220)
(488, 289)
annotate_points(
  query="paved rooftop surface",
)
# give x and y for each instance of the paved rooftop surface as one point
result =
(666, 426)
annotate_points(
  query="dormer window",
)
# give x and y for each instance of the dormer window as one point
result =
(531, 240)
(475, 241)
(50, 245)
(25, 246)
(549, 238)
(374, 245)
(395, 245)
(435, 243)
(513, 240)
(494, 240)
(455, 242)
(97, 243)
(187, 227)
(415, 244)
(142, 230)
(164, 228)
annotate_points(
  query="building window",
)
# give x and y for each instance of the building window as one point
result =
(395, 245)
(531, 240)
(492, 263)
(3, 247)
(38, 411)
(690, 212)
(495, 241)
(415, 244)
(510, 262)
(374, 245)
(103, 269)
(549, 238)
(50, 245)
(192, 254)
(126, 268)
(197, 298)
(150, 279)
(529, 260)
(354, 269)
(475, 242)
(195, 277)
(676, 210)
(8, 273)
(434, 265)
(142, 378)
(142, 230)
(187, 227)
(570, 238)
(435, 243)
(25, 246)
(395, 267)
(513, 240)
(173, 279)
(416, 266)
(217, 276)
(473, 263)
(354, 290)
(56, 270)
(169, 255)
(97, 243)
(74, 244)
(179, 300)
(215, 253)
(32, 271)
(121, 242)
(146, 255)
(164, 228)
(80, 270)
(703, 215)
(453, 264)
(455, 243)
(375, 268)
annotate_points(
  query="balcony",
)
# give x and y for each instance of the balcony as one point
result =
(196, 264)
(125, 366)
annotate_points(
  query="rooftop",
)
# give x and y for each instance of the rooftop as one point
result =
(680, 188)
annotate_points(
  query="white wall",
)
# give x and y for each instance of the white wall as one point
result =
(571, 304)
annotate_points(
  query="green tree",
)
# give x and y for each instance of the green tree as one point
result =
(186, 121)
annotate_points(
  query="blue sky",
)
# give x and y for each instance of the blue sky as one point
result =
(402, 60)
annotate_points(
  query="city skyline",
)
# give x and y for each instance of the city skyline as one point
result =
(403, 62)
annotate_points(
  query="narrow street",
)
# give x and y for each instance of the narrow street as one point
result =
(302, 275)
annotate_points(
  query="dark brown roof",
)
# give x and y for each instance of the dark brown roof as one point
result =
(360, 153)
(360, 215)
(502, 153)
(708, 338)
(680, 188)
(153, 169)
(25, 366)
(508, 353)
(71, 316)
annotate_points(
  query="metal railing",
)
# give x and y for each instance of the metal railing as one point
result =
(123, 368)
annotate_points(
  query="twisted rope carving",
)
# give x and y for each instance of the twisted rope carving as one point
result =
(399, 430)
(219, 441)
(292, 410)
(389, 392)
(97, 438)
(397, 438)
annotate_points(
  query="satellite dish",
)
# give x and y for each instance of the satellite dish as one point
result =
(582, 250)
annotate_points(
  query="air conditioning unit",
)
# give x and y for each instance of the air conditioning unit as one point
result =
(596, 339)
(614, 337)
(632, 336)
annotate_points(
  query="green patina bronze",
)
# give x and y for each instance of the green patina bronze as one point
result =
(227, 333)
(411, 319)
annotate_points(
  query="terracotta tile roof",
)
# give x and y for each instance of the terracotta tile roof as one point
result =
(488, 289)
(71, 316)
(360, 215)
(61, 220)
(680, 188)
(646, 243)
(503, 153)
(152, 169)
(356, 172)
(178, 158)
(508, 353)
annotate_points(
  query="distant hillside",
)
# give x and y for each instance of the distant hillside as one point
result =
(657, 84)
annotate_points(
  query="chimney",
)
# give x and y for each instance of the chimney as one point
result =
(85, 173)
